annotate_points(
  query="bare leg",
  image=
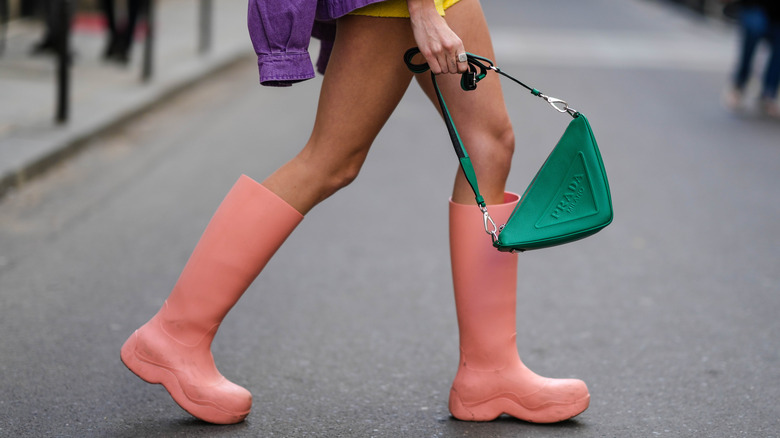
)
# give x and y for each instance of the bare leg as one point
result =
(491, 378)
(480, 115)
(364, 82)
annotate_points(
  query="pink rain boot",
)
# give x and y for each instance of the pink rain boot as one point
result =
(491, 378)
(174, 347)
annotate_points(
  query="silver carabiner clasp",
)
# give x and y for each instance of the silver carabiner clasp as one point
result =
(490, 225)
(560, 105)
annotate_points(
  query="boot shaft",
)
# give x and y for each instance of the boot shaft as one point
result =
(485, 283)
(247, 229)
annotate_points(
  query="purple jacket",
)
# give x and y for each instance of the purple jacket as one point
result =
(281, 30)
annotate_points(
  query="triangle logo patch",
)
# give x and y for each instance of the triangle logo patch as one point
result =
(574, 198)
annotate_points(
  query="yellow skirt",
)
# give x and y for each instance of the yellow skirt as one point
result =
(396, 8)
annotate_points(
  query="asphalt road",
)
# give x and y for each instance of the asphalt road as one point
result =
(670, 314)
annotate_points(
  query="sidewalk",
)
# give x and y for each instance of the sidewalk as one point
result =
(103, 94)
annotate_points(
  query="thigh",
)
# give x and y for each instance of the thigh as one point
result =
(480, 115)
(364, 81)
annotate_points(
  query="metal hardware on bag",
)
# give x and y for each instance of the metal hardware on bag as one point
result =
(477, 70)
(489, 220)
(470, 80)
(500, 229)
(560, 105)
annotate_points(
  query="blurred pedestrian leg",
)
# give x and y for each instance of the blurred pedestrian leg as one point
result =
(754, 24)
(120, 28)
(48, 42)
(769, 101)
(758, 20)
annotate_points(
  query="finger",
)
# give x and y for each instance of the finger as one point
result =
(444, 63)
(454, 65)
(431, 59)
(452, 60)
(462, 64)
(434, 66)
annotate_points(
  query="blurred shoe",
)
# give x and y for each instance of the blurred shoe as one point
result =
(46, 45)
(118, 50)
(770, 107)
(732, 99)
(111, 48)
(123, 57)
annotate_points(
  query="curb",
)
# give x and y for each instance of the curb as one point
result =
(69, 141)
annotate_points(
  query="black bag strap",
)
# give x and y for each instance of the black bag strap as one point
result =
(469, 80)
(478, 68)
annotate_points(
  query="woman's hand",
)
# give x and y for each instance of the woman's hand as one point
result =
(437, 42)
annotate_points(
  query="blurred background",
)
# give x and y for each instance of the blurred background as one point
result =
(117, 146)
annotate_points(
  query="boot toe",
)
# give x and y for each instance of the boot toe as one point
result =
(557, 400)
(222, 403)
(551, 401)
(199, 388)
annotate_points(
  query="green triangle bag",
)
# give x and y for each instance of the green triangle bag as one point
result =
(568, 199)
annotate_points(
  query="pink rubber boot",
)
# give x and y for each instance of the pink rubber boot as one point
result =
(174, 347)
(491, 378)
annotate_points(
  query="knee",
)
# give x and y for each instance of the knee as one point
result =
(505, 141)
(502, 147)
(342, 175)
(329, 172)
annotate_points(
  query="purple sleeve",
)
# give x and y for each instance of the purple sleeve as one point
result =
(280, 33)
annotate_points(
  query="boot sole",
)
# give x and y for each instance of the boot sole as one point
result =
(491, 409)
(155, 374)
